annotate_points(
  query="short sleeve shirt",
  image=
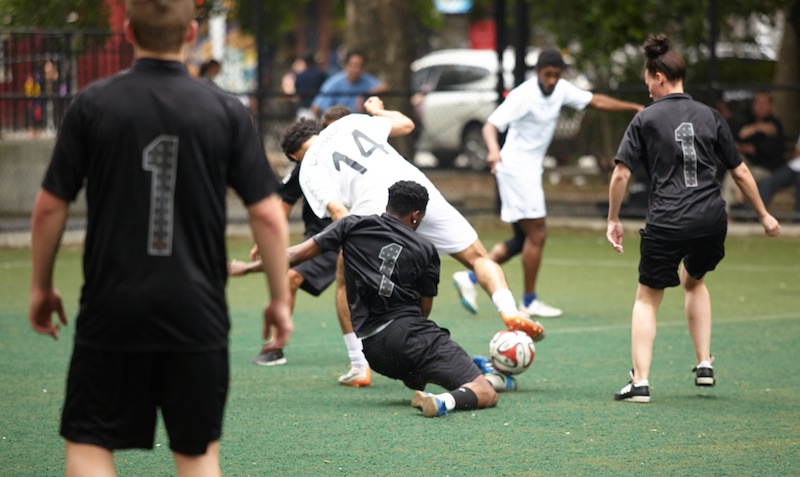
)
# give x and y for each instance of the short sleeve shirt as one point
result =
(388, 267)
(291, 192)
(352, 161)
(337, 90)
(676, 139)
(156, 150)
(530, 118)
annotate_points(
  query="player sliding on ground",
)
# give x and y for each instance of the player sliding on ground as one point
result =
(392, 275)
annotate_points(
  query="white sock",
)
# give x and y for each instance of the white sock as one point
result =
(449, 400)
(504, 301)
(355, 351)
(497, 381)
(641, 383)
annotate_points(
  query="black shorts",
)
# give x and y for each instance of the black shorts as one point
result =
(112, 398)
(417, 352)
(660, 257)
(318, 273)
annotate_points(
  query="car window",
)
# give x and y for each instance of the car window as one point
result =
(424, 79)
(456, 76)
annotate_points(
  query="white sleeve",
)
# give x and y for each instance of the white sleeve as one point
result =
(512, 108)
(318, 189)
(575, 97)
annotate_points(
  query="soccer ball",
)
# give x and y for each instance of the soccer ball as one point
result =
(511, 352)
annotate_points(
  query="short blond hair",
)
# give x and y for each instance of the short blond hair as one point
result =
(160, 25)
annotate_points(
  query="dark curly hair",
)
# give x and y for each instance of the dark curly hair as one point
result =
(333, 113)
(297, 134)
(405, 197)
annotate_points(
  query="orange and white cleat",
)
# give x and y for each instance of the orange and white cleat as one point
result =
(357, 377)
(520, 321)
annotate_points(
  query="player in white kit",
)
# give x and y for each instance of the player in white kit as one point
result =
(348, 167)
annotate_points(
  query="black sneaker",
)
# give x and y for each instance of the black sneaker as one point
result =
(270, 358)
(633, 393)
(704, 375)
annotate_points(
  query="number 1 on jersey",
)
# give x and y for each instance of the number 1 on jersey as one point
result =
(684, 135)
(388, 254)
(160, 157)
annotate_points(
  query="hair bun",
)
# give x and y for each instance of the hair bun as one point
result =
(655, 46)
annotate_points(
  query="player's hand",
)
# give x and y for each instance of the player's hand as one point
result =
(237, 268)
(254, 255)
(614, 234)
(42, 306)
(771, 226)
(373, 105)
(492, 159)
(278, 325)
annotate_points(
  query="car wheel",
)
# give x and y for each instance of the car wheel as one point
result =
(473, 148)
(445, 159)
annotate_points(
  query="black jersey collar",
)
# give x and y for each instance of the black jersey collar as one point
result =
(148, 65)
(673, 96)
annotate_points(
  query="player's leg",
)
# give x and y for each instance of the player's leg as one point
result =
(491, 278)
(535, 231)
(704, 256)
(359, 374)
(87, 460)
(205, 465)
(502, 252)
(643, 330)
(276, 357)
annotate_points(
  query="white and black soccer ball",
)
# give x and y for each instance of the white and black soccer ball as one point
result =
(511, 351)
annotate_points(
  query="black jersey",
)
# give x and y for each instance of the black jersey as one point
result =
(291, 192)
(387, 268)
(676, 139)
(157, 150)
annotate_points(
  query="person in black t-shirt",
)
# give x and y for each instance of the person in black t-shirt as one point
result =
(676, 139)
(157, 150)
(392, 275)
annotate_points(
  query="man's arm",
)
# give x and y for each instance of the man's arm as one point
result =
(337, 210)
(271, 232)
(744, 179)
(490, 137)
(607, 103)
(401, 124)
(305, 250)
(426, 304)
(47, 226)
(616, 194)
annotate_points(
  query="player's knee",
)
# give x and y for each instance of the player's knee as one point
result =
(295, 279)
(487, 396)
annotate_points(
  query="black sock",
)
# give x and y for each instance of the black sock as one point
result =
(465, 398)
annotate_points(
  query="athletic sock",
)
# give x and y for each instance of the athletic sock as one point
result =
(504, 301)
(641, 383)
(528, 298)
(355, 351)
(472, 277)
(459, 399)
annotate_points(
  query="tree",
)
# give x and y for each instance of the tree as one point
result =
(55, 14)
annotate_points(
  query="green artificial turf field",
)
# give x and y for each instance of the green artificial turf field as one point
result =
(295, 420)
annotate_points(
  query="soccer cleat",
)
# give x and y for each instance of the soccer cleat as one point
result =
(540, 308)
(428, 404)
(632, 393)
(704, 374)
(501, 381)
(520, 320)
(270, 358)
(466, 291)
(484, 364)
(357, 377)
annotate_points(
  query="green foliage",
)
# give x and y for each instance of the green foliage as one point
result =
(54, 14)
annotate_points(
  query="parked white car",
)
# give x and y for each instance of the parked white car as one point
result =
(455, 91)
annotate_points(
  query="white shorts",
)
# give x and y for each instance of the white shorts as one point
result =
(445, 227)
(521, 196)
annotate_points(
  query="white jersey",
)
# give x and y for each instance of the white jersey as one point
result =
(531, 118)
(352, 161)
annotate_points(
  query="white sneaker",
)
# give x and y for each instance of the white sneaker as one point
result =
(540, 308)
(466, 291)
(356, 377)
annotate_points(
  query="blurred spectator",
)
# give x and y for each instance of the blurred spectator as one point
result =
(349, 87)
(209, 70)
(785, 176)
(760, 141)
(33, 90)
(307, 84)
